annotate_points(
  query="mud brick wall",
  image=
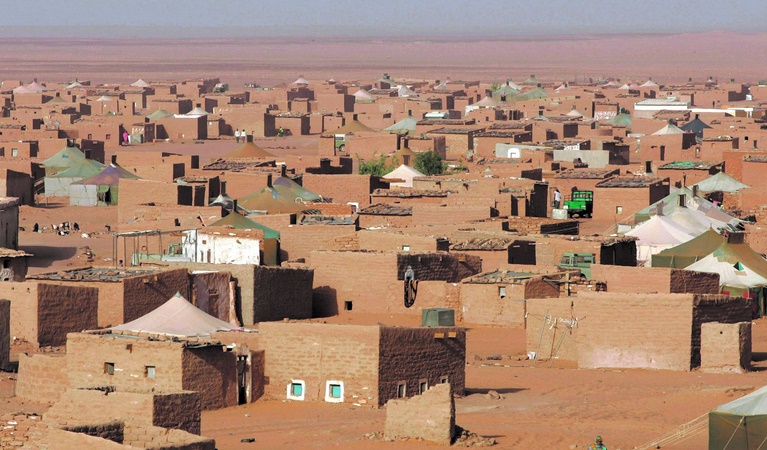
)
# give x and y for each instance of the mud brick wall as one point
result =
(317, 353)
(87, 355)
(342, 188)
(438, 266)
(79, 407)
(383, 241)
(161, 438)
(725, 347)
(549, 251)
(282, 293)
(64, 309)
(112, 431)
(42, 378)
(243, 274)
(23, 309)
(351, 276)
(436, 294)
(412, 355)
(5, 334)
(376, 220)
(346, 242)
(447, 215)
(544, 330)
(646, 331)
(143, 294)
(429, 416)
(691, 282)
(257, 386)
(483, 305)
(212, 372)
(631, 199)
(298, 241)
(178, 410)
(491, 259)
(717, 308)
(140, 192)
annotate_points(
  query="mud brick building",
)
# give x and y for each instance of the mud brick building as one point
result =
(687, 173)
(43, 313)
(343, 280)
(139, 363)
(365, 365)
(630, 330)
(654, 280)
(385, 215)
(123, 295)
(548, 249)
(343, 188)
(620, 197)
(265, 293)
(299, 240)
(499, 297)
(9, 222)
(581, 179)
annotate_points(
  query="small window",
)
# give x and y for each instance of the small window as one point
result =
(619, 210)
(443, 380)
(108, 137)
(150, 372)
(14, 152)
(405, 248)
(296, 390)
(90, 136)
(401, 390)
(334, 391)
(423, 386)
(109, 368)
(348, 305)
(502, 291)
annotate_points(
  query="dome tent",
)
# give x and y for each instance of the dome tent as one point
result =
(739, 424)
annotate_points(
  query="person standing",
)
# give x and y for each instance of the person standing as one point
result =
(597, 445)
(126, 137)
(237, 136)
(557, 199)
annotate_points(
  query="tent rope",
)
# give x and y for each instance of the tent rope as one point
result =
(733, 433)
(681, 433)
(760, 445)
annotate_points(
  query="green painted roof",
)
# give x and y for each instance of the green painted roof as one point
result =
(241, 222)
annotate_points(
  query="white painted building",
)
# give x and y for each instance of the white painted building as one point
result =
(223, 246)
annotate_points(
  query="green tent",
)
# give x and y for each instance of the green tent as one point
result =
(64, 159)
(289, 189)
(691, 251)
(740, 424)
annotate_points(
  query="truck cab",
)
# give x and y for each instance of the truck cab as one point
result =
(580, 261)
(580, 203)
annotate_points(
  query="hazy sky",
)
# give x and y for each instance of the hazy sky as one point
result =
(225, 18)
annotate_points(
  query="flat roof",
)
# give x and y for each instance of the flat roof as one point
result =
(628, 182)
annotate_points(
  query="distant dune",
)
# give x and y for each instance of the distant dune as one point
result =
(268, 61)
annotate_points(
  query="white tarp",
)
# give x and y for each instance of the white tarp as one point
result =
(177, 317)
(403, 172)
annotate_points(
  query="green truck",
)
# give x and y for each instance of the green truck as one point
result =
(581, 204)
(580, 261)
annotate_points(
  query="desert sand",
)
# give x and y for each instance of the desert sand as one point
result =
(556, 407)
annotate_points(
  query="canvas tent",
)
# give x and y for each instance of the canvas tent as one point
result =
(658, 233)
(290, 189)
(58, 185)
(101, 189)
(402, 176)
(404, 126)
(63, 159)
(740, 424)
(269, 200)
(248, 150)
(720, 182)
(691, 251)
(178, 317)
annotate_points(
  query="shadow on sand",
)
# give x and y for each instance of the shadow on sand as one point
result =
(45, 255)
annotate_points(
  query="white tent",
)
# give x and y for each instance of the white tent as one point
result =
(730, 274)
(404, 91)
(668, 129)
(739, 424)
(363, 96)
(720, 182)
(177, 317)
(140, 83)
(402, 176)
(659, 233)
